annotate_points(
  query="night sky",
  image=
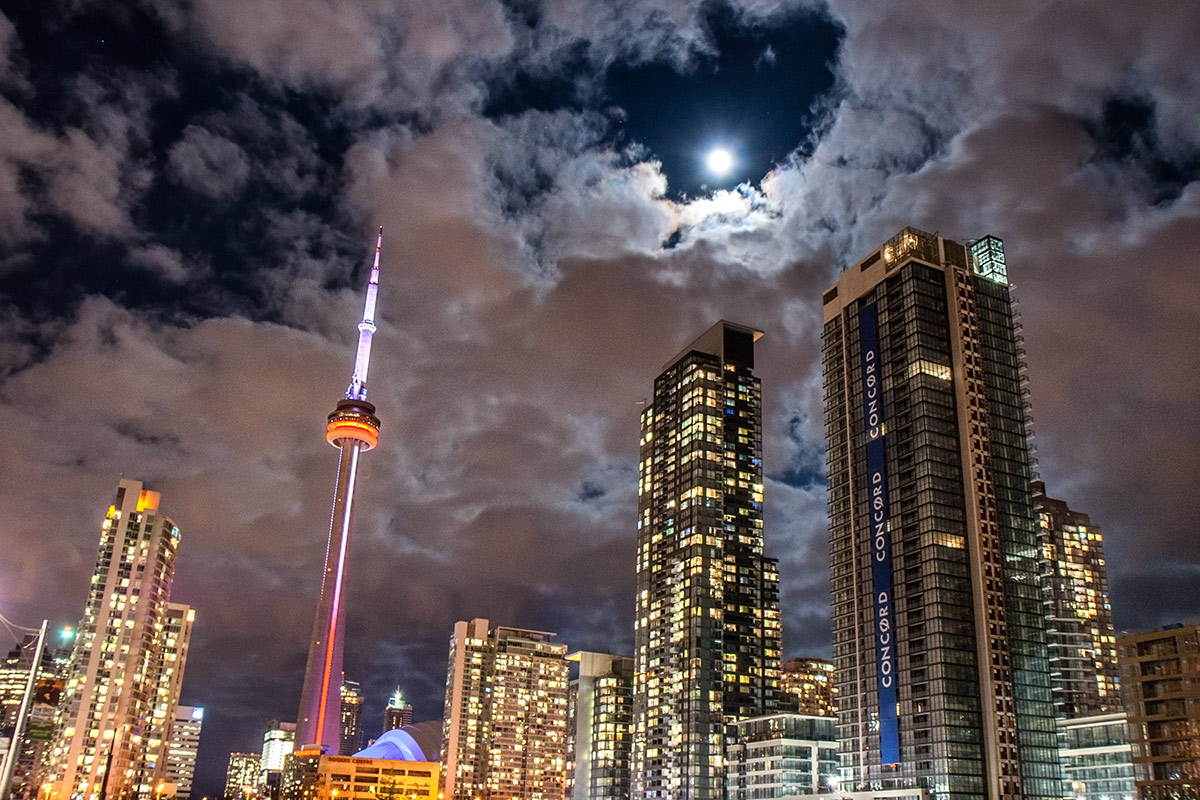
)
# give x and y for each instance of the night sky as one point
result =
(188, 195)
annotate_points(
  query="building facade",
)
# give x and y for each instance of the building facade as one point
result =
(939, 632)
(175, 638)
(600, 727)
(278, 743)
(355, 778)
(1160, 676)
(350, 739)
(1094, 747)
(1081, 640)
(397, 713)
(114, 697)
(812, 684)
(180, 768)
(706, 625)
(28, 747)
(505, 730)
(782, 756)
(241, 776)
(1097, 758)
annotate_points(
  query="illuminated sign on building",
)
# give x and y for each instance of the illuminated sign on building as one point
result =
(881, 545)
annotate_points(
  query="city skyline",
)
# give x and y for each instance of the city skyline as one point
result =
(187, 196)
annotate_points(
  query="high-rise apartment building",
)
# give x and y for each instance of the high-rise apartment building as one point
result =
(811, 682)
(397, 713)
(353, 429)
(351, 736)
(241, 776)
(706, 624)
(939, 631)
(600, 727)
(1160, 678)
(278, 743)
(1094, 747)
(505, 733)
(111, 737)
(180, 766)
(170, 661)
(1080, 636)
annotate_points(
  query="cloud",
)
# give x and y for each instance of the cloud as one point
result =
(11, 75)
(208, 164)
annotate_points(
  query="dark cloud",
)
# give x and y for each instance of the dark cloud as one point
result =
(208, 164)
(184, 263)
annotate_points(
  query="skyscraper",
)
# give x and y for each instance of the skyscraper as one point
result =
(278, 742)
(505, 731)
(1081, 640)
(939, 631)
(706, 623)
(350, 738)
(108, 721)
(353, 428)
(599, 726)
(241, 776)
(175, 637)
(398, 712)
(180, 766)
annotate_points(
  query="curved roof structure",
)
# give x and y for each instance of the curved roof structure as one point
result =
(419, 742)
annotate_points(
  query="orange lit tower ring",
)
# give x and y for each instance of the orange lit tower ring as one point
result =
(353, 422)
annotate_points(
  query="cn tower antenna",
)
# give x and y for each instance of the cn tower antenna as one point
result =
(366, 329)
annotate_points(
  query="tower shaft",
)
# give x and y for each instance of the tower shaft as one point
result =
(353, 428)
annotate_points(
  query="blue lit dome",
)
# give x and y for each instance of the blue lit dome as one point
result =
(419, 742)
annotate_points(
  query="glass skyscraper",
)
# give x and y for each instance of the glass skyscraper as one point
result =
(939, 630)
(599, 719)
(706, 629)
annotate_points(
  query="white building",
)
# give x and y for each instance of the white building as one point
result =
(782, 756)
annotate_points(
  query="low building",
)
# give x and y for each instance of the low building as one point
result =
(782, 756)
(354, 778)
(1096, 757)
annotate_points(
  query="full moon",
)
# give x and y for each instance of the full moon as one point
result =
(719, 161)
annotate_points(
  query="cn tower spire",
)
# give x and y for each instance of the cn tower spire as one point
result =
(353, 428)
(366, 329)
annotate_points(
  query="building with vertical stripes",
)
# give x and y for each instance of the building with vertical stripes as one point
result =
(943, 682)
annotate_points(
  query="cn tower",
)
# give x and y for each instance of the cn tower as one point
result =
(353, 428)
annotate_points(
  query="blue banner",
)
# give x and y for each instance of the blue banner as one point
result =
(881, 542)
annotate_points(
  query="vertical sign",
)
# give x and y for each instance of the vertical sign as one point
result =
(881, 543)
